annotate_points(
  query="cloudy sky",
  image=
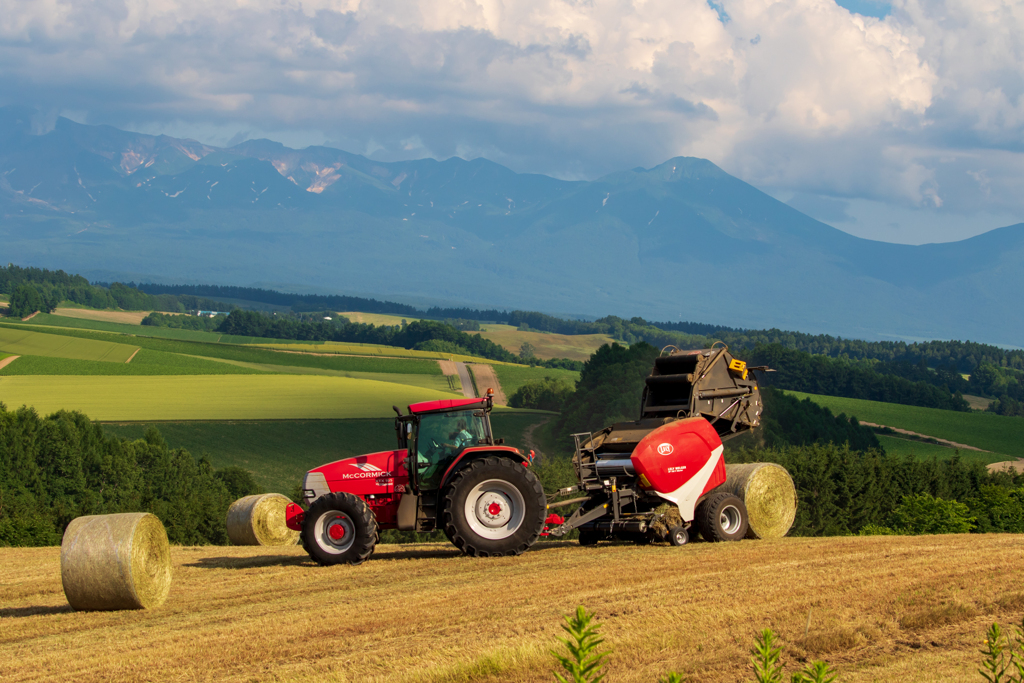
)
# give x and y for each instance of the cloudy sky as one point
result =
(899, 121)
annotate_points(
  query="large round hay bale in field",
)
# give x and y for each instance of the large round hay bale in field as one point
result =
(769, 494)
(260, 520)
(112, 562)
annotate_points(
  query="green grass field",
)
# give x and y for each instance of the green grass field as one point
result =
(280, 452)
(28, 343)
(220, 397)
(358, 349)
(253, 354)
(438, 382)
(514, 376)
(60, 321)
(987, 431)
(924, 451)
(145, 362)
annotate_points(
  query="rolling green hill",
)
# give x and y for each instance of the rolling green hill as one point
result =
(21, 342)
(1003, 436)
(212, 397)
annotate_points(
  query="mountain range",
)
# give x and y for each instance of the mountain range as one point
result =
(681, 241)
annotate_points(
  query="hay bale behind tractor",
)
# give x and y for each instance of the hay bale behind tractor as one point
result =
(769, 494)
(260, 520)
(114, 562)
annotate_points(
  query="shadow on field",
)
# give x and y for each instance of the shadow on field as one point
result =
(445, 550)
(250, 562)
(415, 552)
(16, 612)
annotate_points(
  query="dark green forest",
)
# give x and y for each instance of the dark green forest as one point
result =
(56, 468)
(38, 289)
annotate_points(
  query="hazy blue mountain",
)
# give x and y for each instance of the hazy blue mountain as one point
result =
(683, 240)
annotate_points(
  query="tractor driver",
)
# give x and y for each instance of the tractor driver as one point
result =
(433, 457)
(460, 438)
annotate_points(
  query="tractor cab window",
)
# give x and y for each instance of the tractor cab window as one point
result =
(441, 437)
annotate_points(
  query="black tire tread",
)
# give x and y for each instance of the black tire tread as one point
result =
(361, 515)
(706, 517)
(460, 540)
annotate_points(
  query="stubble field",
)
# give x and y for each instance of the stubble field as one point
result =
(878, 608)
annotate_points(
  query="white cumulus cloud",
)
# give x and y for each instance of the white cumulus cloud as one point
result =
(924, 107)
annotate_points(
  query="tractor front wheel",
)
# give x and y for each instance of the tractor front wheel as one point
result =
(339, 528)
(494, 507)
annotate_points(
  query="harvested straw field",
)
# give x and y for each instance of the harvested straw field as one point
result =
(545, 344)
(376, 318)
(123, 317)
(877, 608)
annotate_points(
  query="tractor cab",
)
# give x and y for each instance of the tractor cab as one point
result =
(436, 433)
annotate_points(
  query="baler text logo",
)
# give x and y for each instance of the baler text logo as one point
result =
(674, 470)
(665, 449)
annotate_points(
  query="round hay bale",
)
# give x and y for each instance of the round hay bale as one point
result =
(769, 494)
(113, 562)
(260, 520)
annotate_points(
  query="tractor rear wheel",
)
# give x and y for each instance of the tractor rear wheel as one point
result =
(721, 517)
(339, 528)
(493, 507)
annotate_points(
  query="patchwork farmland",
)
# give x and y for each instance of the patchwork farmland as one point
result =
(79, 363)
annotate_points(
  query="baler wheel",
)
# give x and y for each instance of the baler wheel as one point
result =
(494, 507)
(339, 528)
(721, 517)
(678, 536)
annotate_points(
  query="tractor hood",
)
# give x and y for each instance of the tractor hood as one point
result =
(371, 474)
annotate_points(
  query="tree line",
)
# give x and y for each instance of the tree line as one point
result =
(800, 371)
(39, 289)
(425, 335)
(63, 466)
(297, 302)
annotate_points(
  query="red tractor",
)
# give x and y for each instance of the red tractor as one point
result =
(651, 479)
(448, 473)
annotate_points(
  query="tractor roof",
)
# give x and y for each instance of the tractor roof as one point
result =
(446, 404)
